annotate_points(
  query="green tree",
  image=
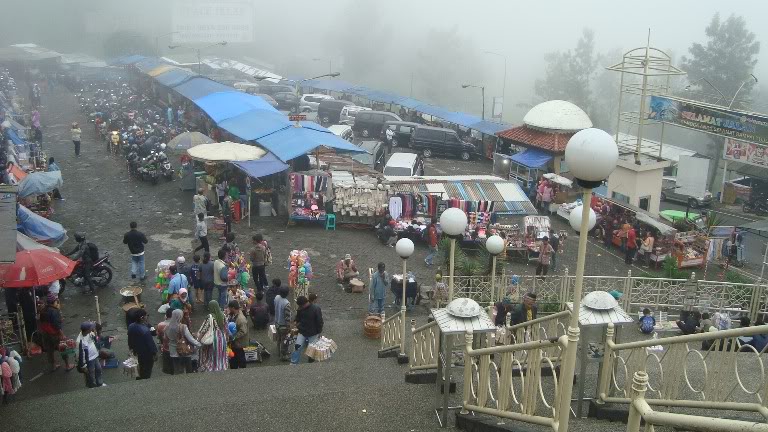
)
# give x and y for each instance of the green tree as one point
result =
(568, 75)
(726, 59)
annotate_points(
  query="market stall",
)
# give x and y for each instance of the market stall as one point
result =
(690, 249)
(35, 191)
(39, 228)
(264, 178)
(309, 195)
(535, 228)
(562, 192)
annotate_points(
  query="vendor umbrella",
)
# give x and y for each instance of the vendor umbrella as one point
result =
(187, 140)
(226, 152)
(35, 267)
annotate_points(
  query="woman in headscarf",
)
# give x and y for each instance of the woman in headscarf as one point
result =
(173, 332)
(213, 357)
(182, 302)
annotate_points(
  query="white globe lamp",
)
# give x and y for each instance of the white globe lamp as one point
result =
(404, 248)
(453, 221)
(575, 218)
(494, 245)
(591, 155)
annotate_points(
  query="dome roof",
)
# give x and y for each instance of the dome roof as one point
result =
(557, 115)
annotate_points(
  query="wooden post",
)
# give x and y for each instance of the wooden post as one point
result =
(98, 310)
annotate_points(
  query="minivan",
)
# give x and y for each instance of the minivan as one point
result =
(348, 114)
(375, 157)
(370, 123)
(398, 133)
(329, 111)
(670, 192)
(432, 140)
(404, 165)
(310, 101)
(342, 131)
(286, 101)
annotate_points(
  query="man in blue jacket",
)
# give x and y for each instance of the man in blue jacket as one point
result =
(141, 344)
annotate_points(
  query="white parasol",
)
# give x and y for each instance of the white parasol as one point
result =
(226, 152)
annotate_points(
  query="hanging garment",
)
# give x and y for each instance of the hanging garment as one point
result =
(395, 207)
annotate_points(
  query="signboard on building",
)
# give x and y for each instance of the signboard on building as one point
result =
(195, 21)
(297, 117)
(746, 152)
(721, 121)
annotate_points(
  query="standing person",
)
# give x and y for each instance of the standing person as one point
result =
(173, 333)
(141, 344)
(309, 321)
(379, 285)
(76, 133)
(167, 365)
(259, 312)
(37, 130)
(527, 311)
(201, 232)
(51, 329)
(197, 283)
(629, 250)
(282, 321)
(258, 256)
(221, 191)
(545, 256)
(646, 248)
(226, 213)
(169, 115)
(213, 357)
(200, 203)
(177, 282)
(239, 339)
(206, 278)
(431, 242)
(136, 240)
(554, 241)
(88, 356)
(546, 198)
(271, 294)
(218, 281)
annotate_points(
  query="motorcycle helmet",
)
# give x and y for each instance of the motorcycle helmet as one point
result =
(79, 236)
(162, 147)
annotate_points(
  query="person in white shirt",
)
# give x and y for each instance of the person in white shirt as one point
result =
(201, 232)
(88, 356)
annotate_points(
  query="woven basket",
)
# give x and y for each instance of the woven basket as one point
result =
(372, 327)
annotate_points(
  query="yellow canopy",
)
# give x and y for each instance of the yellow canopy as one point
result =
(160, 70)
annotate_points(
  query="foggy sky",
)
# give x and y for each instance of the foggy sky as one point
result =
(393, 35)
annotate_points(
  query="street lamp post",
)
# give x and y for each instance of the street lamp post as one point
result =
(482, 91)
(740, 87)
(157, 41)
(404, 248)
(591, 155)
(452, 222)
(197, 50)
(504, 84)
(494, 245)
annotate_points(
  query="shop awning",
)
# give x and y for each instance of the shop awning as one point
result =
(532, 158)
(199, 87)
(292, 142)
(224, 105)
(254, 124)
(267, 165)
(174, 76)
(226, 152)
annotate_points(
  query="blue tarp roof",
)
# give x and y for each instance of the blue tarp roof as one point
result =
(268, 164)
(223, 105)
(174, 77)
(39, 228)
(148, 64)
(293, 142)
(198, 87)
(489, 127)
(532, 158)
(252, 125)
(14, 137)
(40, 183)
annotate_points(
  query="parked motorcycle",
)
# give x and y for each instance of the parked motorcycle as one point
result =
(101, 273)
(758, 206)
(149, 170)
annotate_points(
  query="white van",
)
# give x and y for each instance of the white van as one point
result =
(404, 165)
(342, 131)
(348, 114)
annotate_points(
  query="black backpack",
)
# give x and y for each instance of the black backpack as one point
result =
(93, 251)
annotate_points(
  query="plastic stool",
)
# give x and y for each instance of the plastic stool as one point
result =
(330, 222)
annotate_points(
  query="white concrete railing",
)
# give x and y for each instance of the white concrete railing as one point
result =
(685, 373)
(425, 346)
(513, 388)
(392, 332)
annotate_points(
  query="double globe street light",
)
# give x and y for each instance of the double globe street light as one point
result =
(404, 249)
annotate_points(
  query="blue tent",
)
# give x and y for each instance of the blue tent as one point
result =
(174, 77)
(39, 228)
(532, 158)
(37, 183)
(489, 128)
(224, 105)
(268, 164)
(196, 88)
(292, 142)
(254, 124)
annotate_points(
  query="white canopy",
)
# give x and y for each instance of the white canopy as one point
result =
(226, 152)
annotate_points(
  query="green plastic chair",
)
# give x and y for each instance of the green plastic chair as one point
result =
(330, 221)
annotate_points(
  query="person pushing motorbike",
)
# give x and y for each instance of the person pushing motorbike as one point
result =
(82, 252)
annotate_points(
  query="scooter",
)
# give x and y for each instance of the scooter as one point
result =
(149, 171)
(101, 273)
(165, 167)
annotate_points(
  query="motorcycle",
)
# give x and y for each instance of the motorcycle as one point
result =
(149, 171)
(758, 206)
(101, 273)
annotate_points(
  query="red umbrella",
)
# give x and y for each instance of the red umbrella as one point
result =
(35, 267)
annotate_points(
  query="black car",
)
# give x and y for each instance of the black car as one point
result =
(285, 100)
(398, 133)
(371, 123)
(329, 111)
(432, 140)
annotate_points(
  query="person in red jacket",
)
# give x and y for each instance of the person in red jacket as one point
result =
(629, 251)
(431, 242)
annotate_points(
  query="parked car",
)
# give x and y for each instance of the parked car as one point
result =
(375, 157)
(329, 111)
(432, 140)
(348, 114)
(370, 123)
(670, 192)
(272, 89)
(248, 87)
(342, 131)
(398, 133)
(285, 100)
(404, 165)
(310, 101)
(270, 100)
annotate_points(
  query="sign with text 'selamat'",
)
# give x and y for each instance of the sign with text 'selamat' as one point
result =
(195, 21)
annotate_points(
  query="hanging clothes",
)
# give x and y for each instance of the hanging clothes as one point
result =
(395, 207)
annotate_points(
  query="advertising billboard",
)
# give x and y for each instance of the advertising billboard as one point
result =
(746, 152)
(195, 21)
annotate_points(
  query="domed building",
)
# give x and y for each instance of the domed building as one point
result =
(538, 146)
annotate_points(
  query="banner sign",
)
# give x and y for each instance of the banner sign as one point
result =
(195, 21)
(706, 118)
(746, 152)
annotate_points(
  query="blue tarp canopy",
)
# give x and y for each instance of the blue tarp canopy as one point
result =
(268, 164)
(254, 124)
(39, 228)
(196, 88)
(38, 183)
(488, 127)
(532, 158)
(14, 137)
(293, 142)
(148, 64)
(174, 77)
(224, 105)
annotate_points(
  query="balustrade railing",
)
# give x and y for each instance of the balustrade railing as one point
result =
(392, 332)
(425, 346)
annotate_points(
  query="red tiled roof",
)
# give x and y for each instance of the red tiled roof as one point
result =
(551, 142)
